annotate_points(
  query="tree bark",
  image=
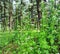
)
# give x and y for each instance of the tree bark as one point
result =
(1, 14)
(32, 19)
(10, 16)
(38, 12)
(3, 19)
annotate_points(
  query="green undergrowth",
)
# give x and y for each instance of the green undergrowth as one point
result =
(29, 42)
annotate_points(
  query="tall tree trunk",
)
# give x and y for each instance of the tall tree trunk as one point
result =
(38, 12)
(3, 20)
(32, 12)
(16, 19)
(10, 16)
(1, 14)
(19, 17)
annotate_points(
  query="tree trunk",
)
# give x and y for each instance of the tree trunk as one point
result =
(1, 14)
(32, 19)
(3, 20)
(10, 16)
(38, 12)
